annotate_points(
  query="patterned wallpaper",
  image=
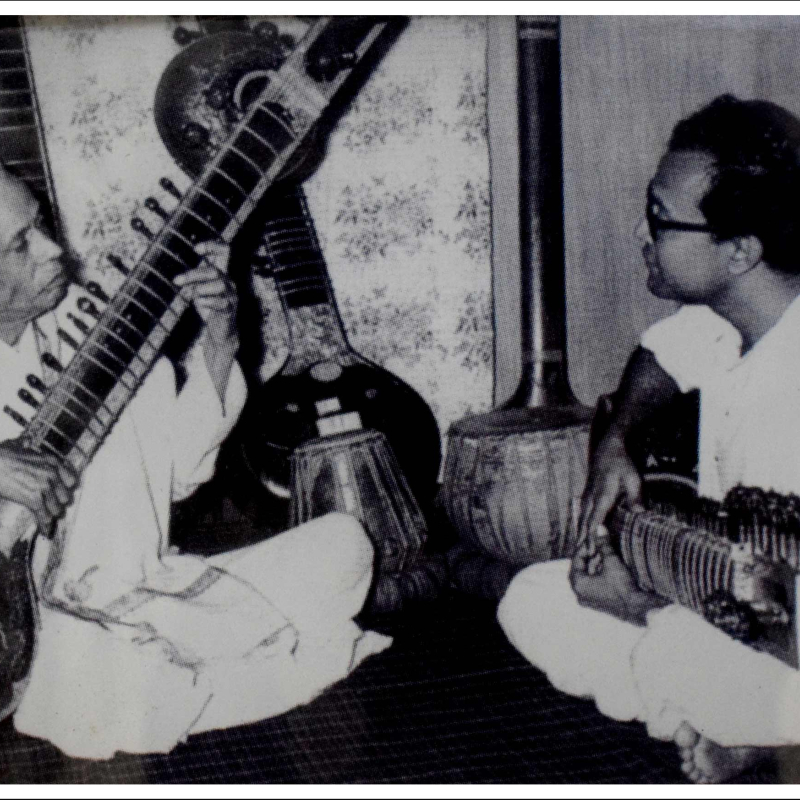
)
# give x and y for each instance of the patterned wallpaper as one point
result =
(401, 201)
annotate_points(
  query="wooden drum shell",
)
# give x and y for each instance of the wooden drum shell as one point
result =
(510, 478)
(357, 473)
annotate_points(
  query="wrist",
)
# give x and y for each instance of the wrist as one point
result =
(615, 435)
(639, 604)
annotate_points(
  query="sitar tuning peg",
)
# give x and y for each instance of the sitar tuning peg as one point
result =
(268, 31)
(326, 67)
(78, 323)
(28, 398)
(151, 204)
(168, 186)
(96, 290)
(86, 306)
(183, 36)
(67, 339)
(15, 415)
(51, 362)
(35, 382)
(139, 226)
(116, 261)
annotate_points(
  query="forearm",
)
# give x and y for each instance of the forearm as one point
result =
(644, 388)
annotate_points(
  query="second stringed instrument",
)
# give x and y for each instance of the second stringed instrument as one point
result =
(325, 387)
(75, 414)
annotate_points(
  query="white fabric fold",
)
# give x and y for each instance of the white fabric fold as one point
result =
(140, 646)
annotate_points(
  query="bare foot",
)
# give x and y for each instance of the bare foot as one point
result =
(704, 761)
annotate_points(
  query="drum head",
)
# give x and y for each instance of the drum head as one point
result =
(522, 420)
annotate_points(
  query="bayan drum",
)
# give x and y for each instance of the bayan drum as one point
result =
(357, 473)
(510, 479)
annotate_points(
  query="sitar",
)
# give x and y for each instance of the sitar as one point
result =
(325, 387)
(74, 415)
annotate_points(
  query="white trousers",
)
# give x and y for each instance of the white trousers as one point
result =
(677, 669)
(94, 692)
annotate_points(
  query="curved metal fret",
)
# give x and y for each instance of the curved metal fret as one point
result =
(231, 181)
(99, 364)
(64, 410)
(260, 139)
(201, 220)
(73, 444)
(111, 333)
(131, 299)
(247, 158)
(156, 295)
(215, 200)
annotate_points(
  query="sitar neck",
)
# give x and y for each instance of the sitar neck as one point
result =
(109, 366)
(291, 251)
(23, 151)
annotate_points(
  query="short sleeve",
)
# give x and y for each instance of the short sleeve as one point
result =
(692, 344)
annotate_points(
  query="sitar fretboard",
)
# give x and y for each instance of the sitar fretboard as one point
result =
(108, 367)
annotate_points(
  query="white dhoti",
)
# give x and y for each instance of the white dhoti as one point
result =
(141, 646)
(98, 689)
(678, 669)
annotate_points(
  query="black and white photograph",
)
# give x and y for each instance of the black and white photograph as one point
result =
(400, 400)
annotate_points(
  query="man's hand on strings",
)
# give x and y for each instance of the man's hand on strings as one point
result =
(612, 476)
(601, 581)
(212, 292)
(39, 482)
(214, 296)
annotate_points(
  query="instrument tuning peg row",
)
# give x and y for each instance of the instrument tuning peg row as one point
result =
(28, 398)
(139, 226)
(96, 290)
(35, 382)
(79, 324)
(151, 204)
(16, 416)
(168, 186)
(86, 306)
(117, 263)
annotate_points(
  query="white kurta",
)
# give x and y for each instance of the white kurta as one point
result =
(141, 646)
(680, 668)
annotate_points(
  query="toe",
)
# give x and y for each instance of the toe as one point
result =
(686, 737)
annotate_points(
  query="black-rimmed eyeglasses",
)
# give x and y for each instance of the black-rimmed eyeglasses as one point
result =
(657, 224)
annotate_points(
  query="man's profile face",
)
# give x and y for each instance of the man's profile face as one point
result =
(682, 265)
(33, 278)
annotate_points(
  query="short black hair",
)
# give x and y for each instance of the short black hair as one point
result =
(755, 188)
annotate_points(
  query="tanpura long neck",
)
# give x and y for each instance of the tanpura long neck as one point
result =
(21, 141)
(292, 250)
(108, 367)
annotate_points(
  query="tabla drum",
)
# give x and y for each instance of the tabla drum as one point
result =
(511, 478)
(357, 473)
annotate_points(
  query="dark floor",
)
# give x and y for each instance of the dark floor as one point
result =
(450, 702)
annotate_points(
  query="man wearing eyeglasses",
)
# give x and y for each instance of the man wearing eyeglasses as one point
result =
(721, 235)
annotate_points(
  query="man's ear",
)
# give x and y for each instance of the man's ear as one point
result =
(744, 253)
